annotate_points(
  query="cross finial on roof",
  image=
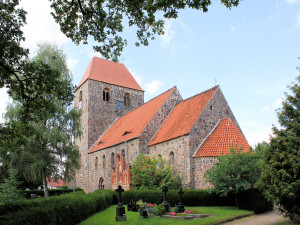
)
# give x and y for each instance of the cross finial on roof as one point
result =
(215, 80)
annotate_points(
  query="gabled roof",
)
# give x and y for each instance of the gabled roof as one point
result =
(51, 182)
(183, 117)
(109, 72)
(132, 124)
(223, 136)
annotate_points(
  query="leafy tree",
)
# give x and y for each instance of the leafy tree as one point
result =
(9, 191)
(281, 168)
(44, 145)
(234, 172)
(151, 172)
(103, 20)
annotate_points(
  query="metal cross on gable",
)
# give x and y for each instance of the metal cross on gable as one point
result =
(119, 190)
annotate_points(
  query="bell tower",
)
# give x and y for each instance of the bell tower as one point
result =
(106, 91)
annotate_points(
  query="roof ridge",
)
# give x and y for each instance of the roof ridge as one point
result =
(215, 87)
(159, 95)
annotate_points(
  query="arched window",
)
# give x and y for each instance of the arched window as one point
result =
(106, 94)
(80, 99)
(101, 183)
(171, 158)
(103, 162)
(127, 99)
(159, 156)
(123, 156)
(96, 163)
(112, 159)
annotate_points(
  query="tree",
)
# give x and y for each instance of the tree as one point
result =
(9, 191)
(281, 167)
(151, 172)
(234, 173)
(44, 144)
(104, 20)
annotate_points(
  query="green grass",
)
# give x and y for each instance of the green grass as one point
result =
(107, 217)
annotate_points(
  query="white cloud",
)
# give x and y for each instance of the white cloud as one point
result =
(265, 109)
(233, 29)
(168, 35)
(71, 63)
(278, 102)
(291, 2)
(93, 53)
(137, 77)
(40, 25)
(3, 103)
(153, 86)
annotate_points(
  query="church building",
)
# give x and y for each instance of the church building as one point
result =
(117, 125)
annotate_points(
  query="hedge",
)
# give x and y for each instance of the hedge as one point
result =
(74, 207)
(52, 192)
(66, 209)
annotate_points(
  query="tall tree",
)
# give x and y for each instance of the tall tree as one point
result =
(104, 20)
(281, 167)
(45, 143)
(235, 172)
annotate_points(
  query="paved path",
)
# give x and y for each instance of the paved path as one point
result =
(268, 218)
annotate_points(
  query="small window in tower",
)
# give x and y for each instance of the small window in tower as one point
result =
(80, 99)
(127, 99)
(171, 158)
(104, 162)
(96, 163)
(106, 94)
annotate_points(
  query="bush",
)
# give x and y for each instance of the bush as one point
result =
(65, 209)
(254, 200)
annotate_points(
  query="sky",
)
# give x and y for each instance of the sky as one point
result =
(251, 51)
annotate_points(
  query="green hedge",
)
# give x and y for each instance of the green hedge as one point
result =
(66, 209)
(254, 200)
(52, 192)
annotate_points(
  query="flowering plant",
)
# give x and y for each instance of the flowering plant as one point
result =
(188, 211)
(172, 214)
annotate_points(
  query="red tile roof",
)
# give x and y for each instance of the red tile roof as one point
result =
(109, 72)
(183, 117)
(132, 124)
(57, 183)
(219, 141)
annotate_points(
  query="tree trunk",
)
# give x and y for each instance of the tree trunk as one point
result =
(46, 192)
(236, 200)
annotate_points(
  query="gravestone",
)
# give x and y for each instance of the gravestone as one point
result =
(180, 204)
(132, 206)
(165, 203)
(144, 212)
(120, 210)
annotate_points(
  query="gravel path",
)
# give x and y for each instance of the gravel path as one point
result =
(268, 218)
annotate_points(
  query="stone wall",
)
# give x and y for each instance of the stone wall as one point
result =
(131, 149)
(158, 119)
(200, 165)
(103, 113)
(181, 164)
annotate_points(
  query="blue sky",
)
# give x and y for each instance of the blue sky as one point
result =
(250, 51)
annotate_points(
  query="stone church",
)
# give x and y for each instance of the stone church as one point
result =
(117, 125)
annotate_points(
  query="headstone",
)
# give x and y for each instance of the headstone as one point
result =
(180, 204)
(132, 206)
(33, 196)
(144, 212)
(120, 210)
(165, 203)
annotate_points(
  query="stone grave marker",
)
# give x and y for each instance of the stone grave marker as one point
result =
(120, 210)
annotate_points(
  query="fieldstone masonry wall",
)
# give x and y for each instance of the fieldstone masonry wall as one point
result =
(200, 165)
(158, 119)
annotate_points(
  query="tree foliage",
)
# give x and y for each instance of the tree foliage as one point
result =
(43, 142)
(9, 189)
(281, 168)
(235, 172)
(104, 20)
(151, 172)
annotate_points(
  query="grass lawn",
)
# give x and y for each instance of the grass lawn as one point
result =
(107, 217)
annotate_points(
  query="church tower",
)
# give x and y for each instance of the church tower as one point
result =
(106, 92)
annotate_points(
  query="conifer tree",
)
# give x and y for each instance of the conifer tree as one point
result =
(281, 167)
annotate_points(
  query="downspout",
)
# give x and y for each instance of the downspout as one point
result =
(126, 152)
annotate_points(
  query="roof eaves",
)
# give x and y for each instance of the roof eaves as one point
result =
(113, 145)
(169, 139)
(206, 137)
